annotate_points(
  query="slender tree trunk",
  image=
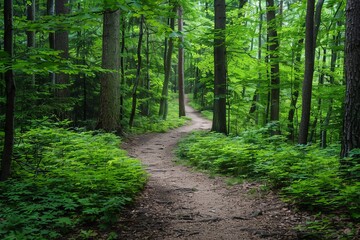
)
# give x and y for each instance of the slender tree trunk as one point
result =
(295, 90)
(351, 129)
(334, 56)
(256, 97)
(274, 64)
(181, 66)
(138, 72)
(110, 81)
(50, 5)
(30, 16)
(30, 35)
(309, 71)
(148, 83)
(122, 66)
(165, 90)
(220, 85)
(10, 93)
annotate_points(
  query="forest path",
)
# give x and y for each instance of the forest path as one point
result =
(180, 203)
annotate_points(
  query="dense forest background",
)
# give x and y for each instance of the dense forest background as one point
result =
(271, 74)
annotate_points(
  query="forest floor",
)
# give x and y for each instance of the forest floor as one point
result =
(181, 203)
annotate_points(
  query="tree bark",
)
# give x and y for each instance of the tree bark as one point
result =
(351, 129)
(309, 71)
(110, 81)
(10, 93)
(219, 112)
(181, 66)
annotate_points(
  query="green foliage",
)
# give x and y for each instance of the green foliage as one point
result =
(66, 179)
(156, 124)
(309, 177)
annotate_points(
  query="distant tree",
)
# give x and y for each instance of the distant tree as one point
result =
(163, 110)
(110, 81)
(138, 71)
(351, 129)
(219, 112)
(10, 93)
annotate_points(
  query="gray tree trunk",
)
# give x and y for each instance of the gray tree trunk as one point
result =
(219, 112)
(110, 81)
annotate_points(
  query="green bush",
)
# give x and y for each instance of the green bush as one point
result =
(310, 177)
(65, 179)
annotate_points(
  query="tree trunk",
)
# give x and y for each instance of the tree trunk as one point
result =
(274, 64)
(138, 72)
(351, 129)
(30, 16)
(256, 97)
(62, 44)
(219, 112)
(295, 90)
(10, 93)
(165, 90)
(181, 66)
(309, 71)
(50, 9)
(122, 65)
(110, 81)
(30, 35)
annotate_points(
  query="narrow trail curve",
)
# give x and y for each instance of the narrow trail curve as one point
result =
(179, 203)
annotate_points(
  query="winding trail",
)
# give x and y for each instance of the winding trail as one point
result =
(180, 203)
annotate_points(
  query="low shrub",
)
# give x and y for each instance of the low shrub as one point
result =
(64, 180)
(311, 178)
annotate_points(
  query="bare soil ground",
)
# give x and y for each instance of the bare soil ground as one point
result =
(180, 203)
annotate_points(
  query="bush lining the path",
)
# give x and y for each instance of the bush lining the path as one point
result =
(65, 180)
(307, 176)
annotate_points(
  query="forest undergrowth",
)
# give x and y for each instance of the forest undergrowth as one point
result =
(70, 182)
(306, 177)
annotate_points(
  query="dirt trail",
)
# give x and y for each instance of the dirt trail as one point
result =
(180, 203)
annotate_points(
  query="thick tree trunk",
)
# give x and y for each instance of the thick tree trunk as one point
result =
(110, 82)
(138, 72)
(10, 93)
(351, 132)
(273, 46)
(309, 71)
(219, 113)
(181, 66)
